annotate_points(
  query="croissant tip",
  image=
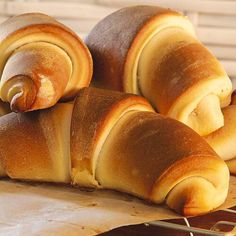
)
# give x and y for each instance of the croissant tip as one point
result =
(21, 102)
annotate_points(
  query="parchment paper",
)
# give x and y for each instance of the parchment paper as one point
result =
(46, 209)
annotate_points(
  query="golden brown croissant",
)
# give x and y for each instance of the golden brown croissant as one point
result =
(115, 141)
(41, 62)
(154, 52)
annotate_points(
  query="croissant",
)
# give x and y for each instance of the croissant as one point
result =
(41, 62)
(223, 140)
(116, 141)
(154, 52)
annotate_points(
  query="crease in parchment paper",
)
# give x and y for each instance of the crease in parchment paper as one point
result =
(47, 209)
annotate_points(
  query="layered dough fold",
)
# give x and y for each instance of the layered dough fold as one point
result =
(113, 140)
(151, 161)
(41, 62)
(223, 140)
(95, 114)
(154, 52)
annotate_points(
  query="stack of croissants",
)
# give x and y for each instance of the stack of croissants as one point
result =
(157, 121)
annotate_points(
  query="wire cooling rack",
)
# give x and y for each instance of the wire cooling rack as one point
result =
(220, 228)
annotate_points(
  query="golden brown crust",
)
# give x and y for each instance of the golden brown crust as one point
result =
(110, 40)
(39, 150)
(52, 49)
(189, 74)
(115, 141)
(149, 159)
(95, 113)
(38, 68)
(154, 52)
(20, 127)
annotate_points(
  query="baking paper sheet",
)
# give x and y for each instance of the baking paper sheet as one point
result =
(46, 209)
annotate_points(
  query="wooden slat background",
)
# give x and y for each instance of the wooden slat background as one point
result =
(215, 20)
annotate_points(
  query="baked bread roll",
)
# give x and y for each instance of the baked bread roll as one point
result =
(116, 142)
(160, 166)
(41, 62)
(154, 52)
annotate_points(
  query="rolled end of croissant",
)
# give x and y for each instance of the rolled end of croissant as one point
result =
(22, 95)
(35, 76)
(151, 161)
(38, 47)
(195, 193)
(205, 117)
(195, 196)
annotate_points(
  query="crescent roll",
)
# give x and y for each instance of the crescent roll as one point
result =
(154, 52)
(115, 141)
(42, 61)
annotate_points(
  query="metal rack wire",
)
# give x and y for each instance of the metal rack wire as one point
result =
(215, 230)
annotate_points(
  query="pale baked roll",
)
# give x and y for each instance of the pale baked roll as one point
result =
(223, 140)
(95, 113)
(154, 52)
(161, 160)
(36, 145)
(41, 62)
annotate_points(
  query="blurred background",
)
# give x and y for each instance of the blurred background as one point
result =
(214, 20)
